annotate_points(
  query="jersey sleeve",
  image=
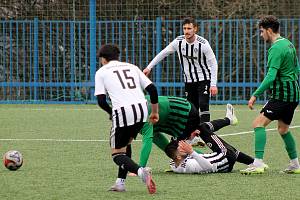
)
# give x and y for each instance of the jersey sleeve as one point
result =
(274, 58)
(203, 163)
(209, 53)
(266, 83)
(171, 48)
(274, 62)
(99, 84)
(194, 163)
(144, 80)
(212, 63)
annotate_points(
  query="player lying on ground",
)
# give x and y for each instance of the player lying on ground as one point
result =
(177, 118)
(222, 159)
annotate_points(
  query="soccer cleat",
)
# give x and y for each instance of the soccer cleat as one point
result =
(291, 170)
(196, 141)
(147, 179)
(255, 170)
(231, 115)
(117, 188)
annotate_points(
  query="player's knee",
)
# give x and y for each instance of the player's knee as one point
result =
(257, 123)
(282, 130)
(118, 157)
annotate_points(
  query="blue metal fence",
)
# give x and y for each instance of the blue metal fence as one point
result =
(50, 61)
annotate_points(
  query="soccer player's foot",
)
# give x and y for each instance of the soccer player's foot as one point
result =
(231, 115)
(196, 141)
(147, 179)
(254, 169)
(117, 188)
(291, 170)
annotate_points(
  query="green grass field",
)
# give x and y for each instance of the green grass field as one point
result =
(67, 156)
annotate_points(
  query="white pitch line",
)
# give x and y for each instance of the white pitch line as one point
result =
(245, 132)
(74, 140)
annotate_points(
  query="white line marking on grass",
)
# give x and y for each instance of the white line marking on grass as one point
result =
(78, 140)
(245, 132)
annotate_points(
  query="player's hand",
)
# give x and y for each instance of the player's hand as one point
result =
(184, 147)
(251, 102)
(153, 118)
(213, 90)
(146, 71)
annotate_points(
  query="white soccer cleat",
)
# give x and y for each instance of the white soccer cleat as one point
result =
(196, 141)
(291, 169)
(254, 169)
(117, 188)
(231, 115)
(147, 179)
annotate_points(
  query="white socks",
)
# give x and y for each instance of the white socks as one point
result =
(295, 162)
(140, 172)
(120, 181)
(258, 162)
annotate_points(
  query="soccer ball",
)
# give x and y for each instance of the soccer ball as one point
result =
(12, 160)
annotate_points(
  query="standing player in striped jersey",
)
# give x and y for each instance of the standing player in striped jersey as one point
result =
(222, 159)
(282, 79)
(179, 119)
(124, 83)
(198, 63)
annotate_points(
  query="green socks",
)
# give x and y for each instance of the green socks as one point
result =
(260, 142)
(261, 138)
(290, 145)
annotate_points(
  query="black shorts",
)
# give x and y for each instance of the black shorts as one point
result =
(120, 136)
(198, 93)
(279, 110)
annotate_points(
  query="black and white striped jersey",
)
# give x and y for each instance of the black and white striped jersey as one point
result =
(124, 83)
(203, 163)
(197, 59)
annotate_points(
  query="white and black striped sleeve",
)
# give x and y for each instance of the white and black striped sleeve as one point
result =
(212, 63)
(204, 164)
(99, 84)
(171, 48)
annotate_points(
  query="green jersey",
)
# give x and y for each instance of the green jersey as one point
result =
(283, 71)
(173, 115)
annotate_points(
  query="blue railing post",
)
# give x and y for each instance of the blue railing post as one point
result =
(72, 46)
(92, 45)
(36, 57)
(158, 49)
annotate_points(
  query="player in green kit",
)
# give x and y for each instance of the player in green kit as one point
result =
(178, 118)
(282, 80)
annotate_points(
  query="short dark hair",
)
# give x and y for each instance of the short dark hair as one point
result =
(109, 52)
(269, 21)
(171, 149)
(189, 20)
